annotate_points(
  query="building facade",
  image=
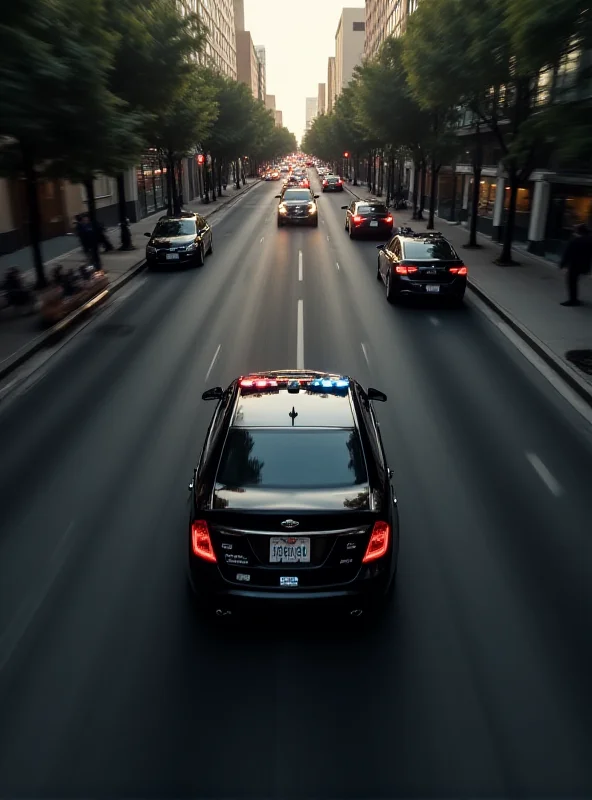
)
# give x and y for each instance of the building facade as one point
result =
(220, 48)
(311, 110)
(270, 102)
(330, 84)
(321, 99)
(261, 72)
(247, 63)
(376, 25)
(349, 45)
(279, 119)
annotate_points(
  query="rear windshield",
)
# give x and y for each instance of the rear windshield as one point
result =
(332, 178)
(374, 208)
(292, 458)
(301, 197)
(175, 227)
(439, 249)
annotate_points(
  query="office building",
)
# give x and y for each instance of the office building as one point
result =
(321, 103)
(385, 18)
(220, 48)
(311, 110)
(349, 45)
(270, 102)
(330, 84)
(247, 63)
(261, 70)
(279, 119)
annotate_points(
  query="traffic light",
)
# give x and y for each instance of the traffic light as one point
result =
(346, 155)
(200, 158)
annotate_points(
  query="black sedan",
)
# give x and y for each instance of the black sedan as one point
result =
(421, 265)
(183, 240)
(368, 218)
(291, 501)
(297, 207)
(332, 183)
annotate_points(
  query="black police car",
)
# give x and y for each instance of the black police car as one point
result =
(297, 207)
(183, 240)
(292, 497)
(421, 264)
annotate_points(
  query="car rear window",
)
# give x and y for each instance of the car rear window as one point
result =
(292, 458)
(175, 227)
(372, 208)
(300, 196)
(439, 249)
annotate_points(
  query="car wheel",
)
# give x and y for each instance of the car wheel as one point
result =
(346, 225)
(211, 247)
(378, 275)
(200, 258)
(351, 233)
(279, 223)
(315, 224)
(390, 294)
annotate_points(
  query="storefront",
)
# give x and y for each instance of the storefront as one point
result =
(151, 179)
(569, 205)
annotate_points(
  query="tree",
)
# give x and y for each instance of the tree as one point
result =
(154, 51)
(53, 95)
(179, 126)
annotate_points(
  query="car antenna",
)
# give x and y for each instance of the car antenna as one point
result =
(293, 414)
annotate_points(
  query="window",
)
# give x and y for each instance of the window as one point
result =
(171, 227)
(438, 249)
(291, 458)
(375, 208)
(295, 195)
(359, 26)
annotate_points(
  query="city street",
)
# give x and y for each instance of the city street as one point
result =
(477, 681)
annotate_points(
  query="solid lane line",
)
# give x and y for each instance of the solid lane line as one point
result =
(300, 336)
(365, 354)
(300, 265)
(541, 470)
(337, 265)
(328, 239)
(261, 240)
(213, 361)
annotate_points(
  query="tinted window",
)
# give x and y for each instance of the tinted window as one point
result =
(175, 227)
(359, 26)
(300, 196)
(291, 458)
(372, 208)
(439, 248)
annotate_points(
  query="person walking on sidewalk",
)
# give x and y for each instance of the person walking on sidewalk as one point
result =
(577, 259)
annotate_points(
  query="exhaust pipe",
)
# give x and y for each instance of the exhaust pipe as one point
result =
(223, 612)
(356, 612)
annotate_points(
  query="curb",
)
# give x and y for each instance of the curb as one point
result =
(564, 371)
(59, 329)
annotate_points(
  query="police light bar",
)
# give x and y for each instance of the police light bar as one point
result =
(258, 384)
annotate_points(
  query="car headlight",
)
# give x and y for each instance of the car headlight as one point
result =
(282, 209)
(151, 250)
(312, 208)
(192, 247)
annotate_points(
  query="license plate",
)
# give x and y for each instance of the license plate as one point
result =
(289, 550)
(432, 288)
(172, 256)
(374, 224)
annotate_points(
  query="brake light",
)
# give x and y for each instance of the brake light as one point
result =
(357, 218)
(404, 269)
(388, 219)
(201, 542)
(325, 183)
(459, 270)
(379, 542)
(339, 183)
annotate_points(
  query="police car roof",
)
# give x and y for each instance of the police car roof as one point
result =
(280, 408)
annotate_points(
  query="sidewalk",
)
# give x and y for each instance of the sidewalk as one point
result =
(527, 297)
(22, 336)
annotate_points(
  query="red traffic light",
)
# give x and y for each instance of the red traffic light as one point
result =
(346, 155)
(200, 159)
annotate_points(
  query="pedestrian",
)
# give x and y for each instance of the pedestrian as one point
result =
(84, 232)
(577, 260)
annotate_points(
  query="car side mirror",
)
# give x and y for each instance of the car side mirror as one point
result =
(213, 394)
(149, 235)
(344, 208)
(380, 246)
(316, 197)
(374, 394)
(278, 197)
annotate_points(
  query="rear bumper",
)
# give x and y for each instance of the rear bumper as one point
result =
(405, 286)
(332, 188)
(384, 231)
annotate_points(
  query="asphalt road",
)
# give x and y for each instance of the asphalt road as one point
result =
(477, 683)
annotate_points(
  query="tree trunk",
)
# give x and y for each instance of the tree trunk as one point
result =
(174, 192)
(433, 191)
(219, 179)
(126, 236)
(34, 219)
(505, 258)
(213, 169)
(238, 171)
(422, 190)
(180, 183)
(474, 207)
(369, 171)
(356, 168)
(206, 183)
(169, 183)
(416, 179)
(89, 186)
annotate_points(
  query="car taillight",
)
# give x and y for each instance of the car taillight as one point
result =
(379, 542)
(339, 183)
(404, 269)
(388, 219)
(357, 218)
(201, 542)
(325, 183)
(459, 270)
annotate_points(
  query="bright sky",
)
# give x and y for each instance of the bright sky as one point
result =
(298, 38)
